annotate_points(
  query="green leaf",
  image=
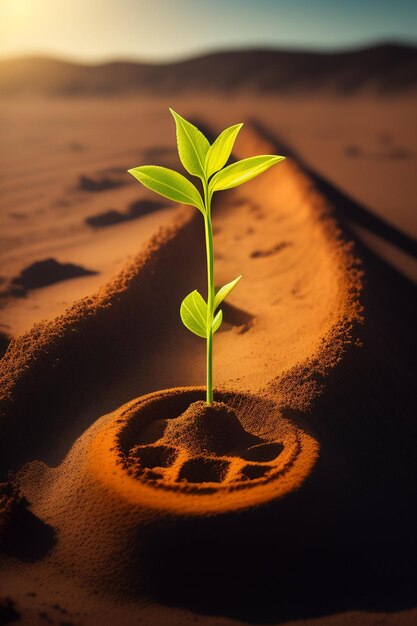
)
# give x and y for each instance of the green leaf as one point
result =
(220, 151)
(193, 313)
(224, 291)
(192, 146)
(169, 184)
(242, 171)
(217, 321)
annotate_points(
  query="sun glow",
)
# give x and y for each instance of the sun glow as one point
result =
(167, 30)
(15, 13)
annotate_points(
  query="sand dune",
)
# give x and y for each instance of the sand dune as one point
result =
(322, 365)
(384, 69)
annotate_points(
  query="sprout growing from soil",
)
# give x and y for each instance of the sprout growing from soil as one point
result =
(206, 162)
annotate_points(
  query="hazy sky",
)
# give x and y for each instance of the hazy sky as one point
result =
(170, 29)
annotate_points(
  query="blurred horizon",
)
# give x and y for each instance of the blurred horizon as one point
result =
(206, 53)
(163, 32)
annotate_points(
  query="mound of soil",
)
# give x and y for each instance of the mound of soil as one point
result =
(209, 429)
(173, 441)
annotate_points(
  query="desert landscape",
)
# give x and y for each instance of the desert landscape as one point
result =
(118, 504)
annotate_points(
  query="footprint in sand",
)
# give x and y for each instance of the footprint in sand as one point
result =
(136, 209)
(258, 254)
(44, 273)
(98, 183)
(202, 449)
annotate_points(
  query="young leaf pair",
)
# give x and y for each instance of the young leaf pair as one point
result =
(206, 162)
(202, 160)
(193, 310)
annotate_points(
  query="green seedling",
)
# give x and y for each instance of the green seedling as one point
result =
(206, 162)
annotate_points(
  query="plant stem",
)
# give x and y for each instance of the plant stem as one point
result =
(210, 293)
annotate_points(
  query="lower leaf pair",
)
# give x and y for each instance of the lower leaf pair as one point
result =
(193, 313)
(193, 310)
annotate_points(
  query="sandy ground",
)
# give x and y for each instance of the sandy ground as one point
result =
(365, 146)
(330, 348)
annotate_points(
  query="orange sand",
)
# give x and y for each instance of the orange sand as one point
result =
(291, 334)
